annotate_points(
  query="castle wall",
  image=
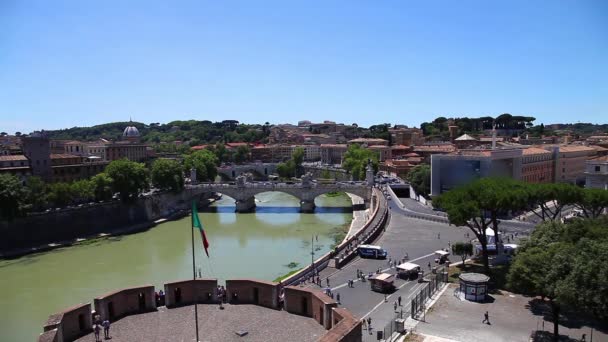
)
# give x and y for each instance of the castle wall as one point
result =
(201, 291)
(243, 291)
(124, 302)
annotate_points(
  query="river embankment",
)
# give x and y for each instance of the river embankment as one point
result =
(40, 232)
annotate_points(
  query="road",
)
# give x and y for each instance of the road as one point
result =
(418, 238)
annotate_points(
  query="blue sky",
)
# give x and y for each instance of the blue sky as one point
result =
(80, 63)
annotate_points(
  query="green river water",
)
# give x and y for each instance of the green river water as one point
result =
(255, 245)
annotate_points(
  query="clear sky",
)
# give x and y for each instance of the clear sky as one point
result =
(80, 63)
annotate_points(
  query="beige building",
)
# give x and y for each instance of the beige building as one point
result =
(597, 173)
(17, 165)
(571, 161)
(537, 165)
(333, 153)
(383, 152)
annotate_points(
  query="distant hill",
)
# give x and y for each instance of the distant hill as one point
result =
(192, 131)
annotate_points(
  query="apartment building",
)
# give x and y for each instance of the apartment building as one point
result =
(537, 165)
(596, 173)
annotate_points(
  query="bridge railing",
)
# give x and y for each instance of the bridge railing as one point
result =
(347, 249)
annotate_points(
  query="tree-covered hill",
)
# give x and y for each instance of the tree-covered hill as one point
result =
(191, 131)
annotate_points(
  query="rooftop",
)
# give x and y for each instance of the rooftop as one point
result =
(177, 324)
(17, 157)
(534, 150)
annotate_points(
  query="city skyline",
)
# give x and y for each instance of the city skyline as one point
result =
(70, 64)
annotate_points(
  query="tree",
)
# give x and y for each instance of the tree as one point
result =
(287, 169)
(593, 202)
(356, 159)
(566, 264)
(167, 174)
(478, 204)
(298, 158)
(60, 194)
(420, 179)
(13, 197)
(37, 193)
(242, 154)
(129, 178)
(463, 249)
(82, 190)
(205, 163)
(102, 186)
(325, 174)
(549, 199)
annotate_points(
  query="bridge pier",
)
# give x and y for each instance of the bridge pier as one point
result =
(307, 206)
(245, 205)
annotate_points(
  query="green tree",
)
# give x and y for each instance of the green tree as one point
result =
(82, 190)
(478, 204)
(129, 179)
(102, 186)
(549, 199)
(420, 179)
(298, 158)
(242, 154)
(205, 163)
(13, 197)
(37, 193)
(60, 194)
(593, 202)
(287, 169)
(356, 159)
(167, 174)
(462, 249)
(325, 174)
(222, 154)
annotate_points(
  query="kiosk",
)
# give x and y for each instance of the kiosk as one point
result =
(474, 286)
(442, 256)
(382, 282)
(408, 270)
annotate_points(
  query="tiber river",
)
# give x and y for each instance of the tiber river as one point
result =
(258, 245)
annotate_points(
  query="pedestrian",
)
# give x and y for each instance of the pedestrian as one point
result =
(584, 338)
(106, 329)
(385, 298)
(438, 236)
(399, 300)
(364, 324)
(369, 322)
(486, 318)
(338, 297)
(96, 329)
(395, 306)
(429, 265)
(327, 281)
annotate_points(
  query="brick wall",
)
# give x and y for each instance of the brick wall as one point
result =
(310, 303)
(124, 302)
(70, 323)
(345, 327)
(247, 291)
(203, 291)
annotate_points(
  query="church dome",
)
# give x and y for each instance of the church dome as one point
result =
(130, 131)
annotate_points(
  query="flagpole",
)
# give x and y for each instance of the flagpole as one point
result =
(194, 271)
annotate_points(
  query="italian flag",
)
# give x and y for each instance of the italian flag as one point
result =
(196, 223)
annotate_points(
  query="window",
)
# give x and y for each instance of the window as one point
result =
(597, 168)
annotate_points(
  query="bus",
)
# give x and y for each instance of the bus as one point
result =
(371, 251)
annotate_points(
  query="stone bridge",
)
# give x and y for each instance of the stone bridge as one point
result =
(244, 192)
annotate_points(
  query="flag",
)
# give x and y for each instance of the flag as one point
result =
(196, 223)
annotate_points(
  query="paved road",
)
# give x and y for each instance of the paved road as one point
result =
(418, 238)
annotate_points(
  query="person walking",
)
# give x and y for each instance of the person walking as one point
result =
(106, 329)
(338, 297)
(486, 318)
(399, 300)
(327, 281)
(395, 306)
(96, 329)
(438, 236)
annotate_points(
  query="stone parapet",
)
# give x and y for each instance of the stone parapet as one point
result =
(186, 292)
(248, 291)
(125, 302)
(310, 303)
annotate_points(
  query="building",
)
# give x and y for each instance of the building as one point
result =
(537, 165)
(36, 147)
(17, 165)
(597, 173)
(451, 170)
(129, 147)
(399, 167)
(70, 167)
(571, 162)
(368, 142)
(333, 153)
(425, 151)
(383, 152)
(406, 136)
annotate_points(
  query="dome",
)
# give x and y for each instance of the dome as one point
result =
(130, 131)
